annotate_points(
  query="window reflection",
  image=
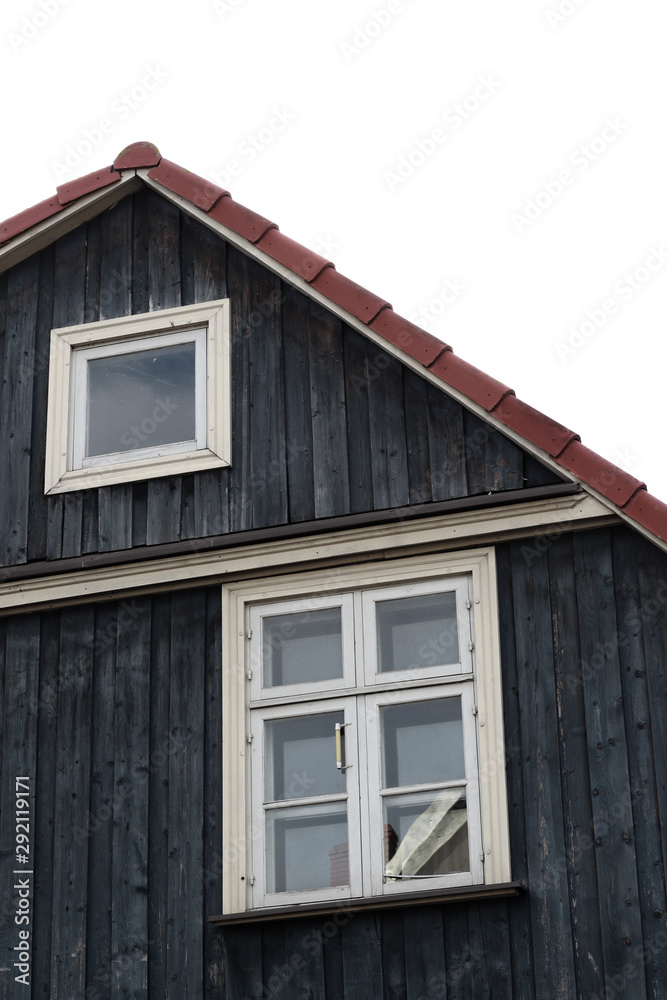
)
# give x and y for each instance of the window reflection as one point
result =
(141, 399)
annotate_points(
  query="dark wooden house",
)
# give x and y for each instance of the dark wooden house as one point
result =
(330, 669)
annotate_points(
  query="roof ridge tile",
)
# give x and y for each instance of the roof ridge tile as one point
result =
(297, 257)
(472, 382)
(28, 218)
(241, 220)
(598, 472)
(350, 296)
(546, 433)
(202, 193)
(72, 190)
(137, 155)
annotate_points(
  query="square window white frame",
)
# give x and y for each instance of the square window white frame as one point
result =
(371, 598)
(80, 397)
(374, 701)
(239, 833)
(258, 613)
(71, 346)
(259, 897)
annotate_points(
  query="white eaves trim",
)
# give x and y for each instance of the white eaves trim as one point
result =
(547, 519)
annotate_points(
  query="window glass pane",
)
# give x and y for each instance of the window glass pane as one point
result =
(303, 646)
(426, 834)
(422, 742)
(415, 632)
(301, 757)
(306, 847)
(142, 399)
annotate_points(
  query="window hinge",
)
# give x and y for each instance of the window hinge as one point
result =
(252, 880)
(249, 738)
(248, 674)
(471, 646)
(474, 709)
(468, 603)
(248, 634)
(482, 857)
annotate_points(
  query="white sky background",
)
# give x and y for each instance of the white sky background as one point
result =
(319, 104)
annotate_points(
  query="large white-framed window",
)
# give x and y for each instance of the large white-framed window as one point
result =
(139, 397)
(363, 749)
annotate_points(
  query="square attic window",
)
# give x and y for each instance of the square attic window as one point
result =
(139, 397)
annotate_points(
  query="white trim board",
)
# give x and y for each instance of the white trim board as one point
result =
(352, 546)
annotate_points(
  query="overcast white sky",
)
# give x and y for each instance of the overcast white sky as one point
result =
(495, 170)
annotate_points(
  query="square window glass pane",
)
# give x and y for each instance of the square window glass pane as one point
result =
(415, 632)
(422, 742)
(141, 399)
(304, 646)
(426, 834)
(307, 847)
(301, 757)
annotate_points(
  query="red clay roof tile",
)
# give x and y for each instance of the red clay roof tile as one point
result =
(298, 258)
(137, 155)
(472, 382)
(648, 511)
(86, 185)
(240, 219)
(348, 295)
(29, 218)
(400, 332)
(552, 437)
(192, 187)
(598, 472)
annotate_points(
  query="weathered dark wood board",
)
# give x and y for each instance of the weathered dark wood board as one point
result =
(325, 422)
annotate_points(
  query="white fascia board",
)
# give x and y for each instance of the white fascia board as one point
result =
(548, 519)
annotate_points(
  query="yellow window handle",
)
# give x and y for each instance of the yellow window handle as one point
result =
(340, 726)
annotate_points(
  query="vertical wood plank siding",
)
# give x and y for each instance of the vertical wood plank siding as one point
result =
(115, 712)
(325, 422)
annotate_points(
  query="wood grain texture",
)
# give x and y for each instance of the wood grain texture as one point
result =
(19, 653)
(327, 404)
(577, 798)
(129, 921)
(620, 920)
(16, 408)
(71, 825)
(298, 419)
(545, 839)
(185, 974)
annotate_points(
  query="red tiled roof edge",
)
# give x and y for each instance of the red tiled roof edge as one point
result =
(561, 444)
